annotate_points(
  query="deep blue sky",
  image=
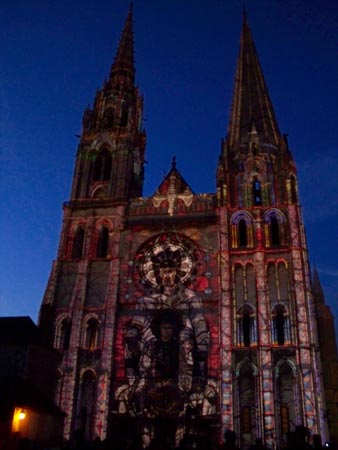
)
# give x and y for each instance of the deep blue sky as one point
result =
(56, 53)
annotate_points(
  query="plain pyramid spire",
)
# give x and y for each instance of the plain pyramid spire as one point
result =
(251, 102)
(124, 59)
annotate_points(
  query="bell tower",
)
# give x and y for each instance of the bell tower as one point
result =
(78, 309)
(110, 156)
(266, 276)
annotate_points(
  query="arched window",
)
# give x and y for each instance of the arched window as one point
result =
(108, 118)
(257, 194)
(124, 115)
(239, 284)
(102, 166)
(92, 334)
(272, 283)
(63, 332)
(246, 327)
(58, 388)
(247, 401)
(86, 402)
(274, 228)
(78, 243)
(102, 243)
(274, 231)
(242, 233)
(293, 187)
(285, 397)
(280, 326)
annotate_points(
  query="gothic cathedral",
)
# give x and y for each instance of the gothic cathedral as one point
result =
(184, 314)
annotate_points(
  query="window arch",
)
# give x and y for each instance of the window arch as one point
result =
(246, 327)
(274, 231)
(278, 288)
(102, 166)
(274, 228)
(92, 334)
(58, 387)
(242, 230)
(244, 284)
(108, 118)
(286, 399)
(99, 191)
(247, 398)
(280, 325)
(102, 243)
(124, 114)
(257, 192)
(242, 233)
(86, 405)
(77, 249)
(63, 333)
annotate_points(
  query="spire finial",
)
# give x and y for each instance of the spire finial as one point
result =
(244, 13)
(124, 59)
(173, 163)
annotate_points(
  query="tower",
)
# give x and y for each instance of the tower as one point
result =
(184, 314)
(328, 350)
(273, 345)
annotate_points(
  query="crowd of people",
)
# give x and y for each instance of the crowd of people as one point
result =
(296, 440)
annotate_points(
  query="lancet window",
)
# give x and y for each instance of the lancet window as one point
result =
(274, 228)
(257, 193)
(286, 399)
(78, 241)
(58, 388)
(293, 189)
(102, 166)
(92, 334)
(246, 327)
(242, 230)
(279, 300)
(245, 300)
(280, 325)
(102, 243)
(85, 407)
(62, 335)
(124, 114)
(108, 118)
(246, 386)
(242, 233)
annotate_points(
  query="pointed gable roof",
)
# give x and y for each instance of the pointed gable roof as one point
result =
(181, 185)
(173, 187)
(124, 59)
(251, 104)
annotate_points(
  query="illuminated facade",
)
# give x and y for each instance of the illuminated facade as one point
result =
(184, 313)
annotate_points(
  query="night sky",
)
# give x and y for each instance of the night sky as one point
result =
(55, 54)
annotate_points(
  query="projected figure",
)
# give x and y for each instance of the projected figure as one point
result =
(166, 342)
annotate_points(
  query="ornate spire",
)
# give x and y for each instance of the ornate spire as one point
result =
(124, 59)
(251, 105)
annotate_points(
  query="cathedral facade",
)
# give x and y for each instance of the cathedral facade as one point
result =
(183, 313)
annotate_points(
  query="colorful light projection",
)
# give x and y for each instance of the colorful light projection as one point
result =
(167, 341)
